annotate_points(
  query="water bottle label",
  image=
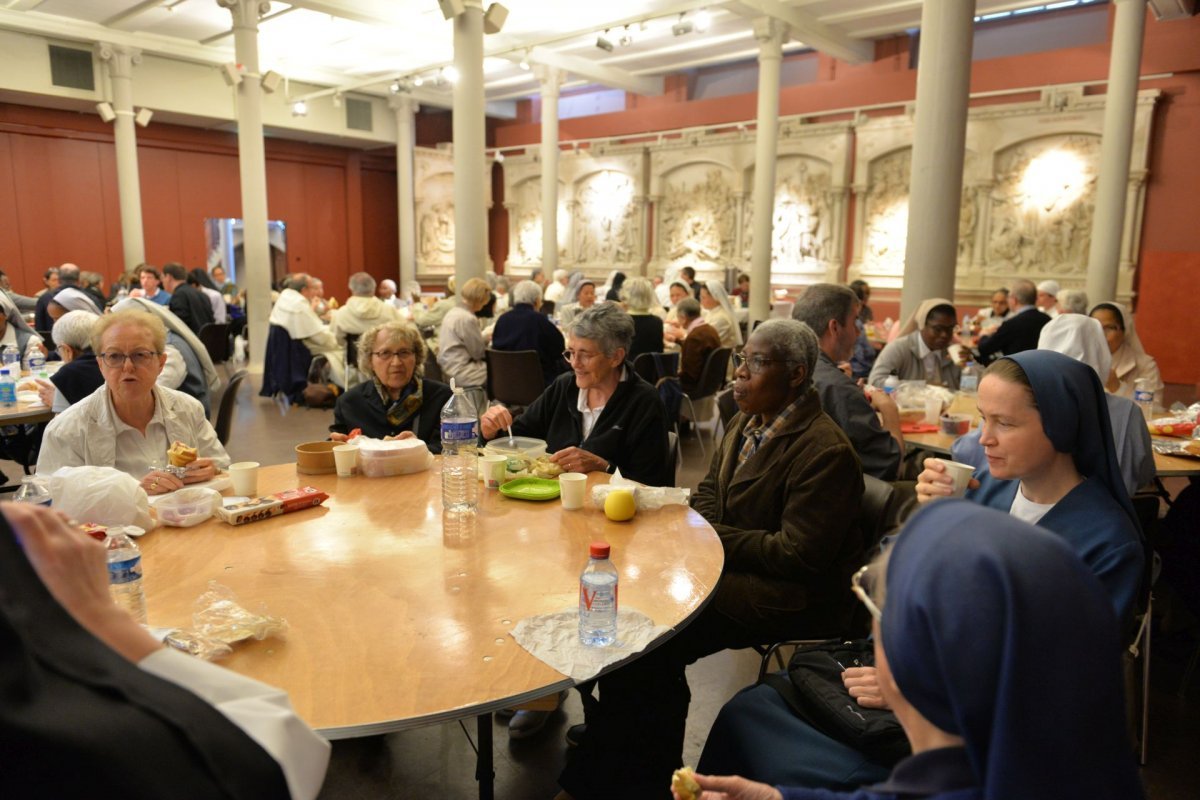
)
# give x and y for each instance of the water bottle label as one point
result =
(1143, 396)
(36, 362)
(597, 599)
(459, 431)
(8, 393)
(125, 571)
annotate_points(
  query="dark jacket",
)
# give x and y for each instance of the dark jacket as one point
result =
(700, 341)
(647, 335)
(788, 520)
(525, 328)
(362, 407)
(79, 378)
(631, 433)
(843, 400)
(41, 313)
(192, 306)
(1015, 335)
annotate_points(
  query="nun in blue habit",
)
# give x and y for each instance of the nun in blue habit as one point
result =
(1001, 655)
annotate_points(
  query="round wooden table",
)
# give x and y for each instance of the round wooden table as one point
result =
(397, 620)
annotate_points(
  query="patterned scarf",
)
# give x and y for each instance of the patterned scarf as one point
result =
(406, 407)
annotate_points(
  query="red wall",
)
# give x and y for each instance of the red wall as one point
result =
(58, 198)
(1169, 259)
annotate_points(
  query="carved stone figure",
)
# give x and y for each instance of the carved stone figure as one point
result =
(800, 231)
(605, 220)
(886, 213)
(697, 219)
(436, 234)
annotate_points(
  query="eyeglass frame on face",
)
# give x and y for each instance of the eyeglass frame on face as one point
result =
(861, 593)
(139, 358)
(756, 363)
(386, 356)
(584, 356)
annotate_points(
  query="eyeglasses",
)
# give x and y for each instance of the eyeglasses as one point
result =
(862, 593)
(945, 330)
(141, 358)
(388, 355)
(755, 363)
(582, 356)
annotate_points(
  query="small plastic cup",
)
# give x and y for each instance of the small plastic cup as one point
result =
(961, 473)
(345, 459)
(245, 478)
(933, 410)
(492, 468)
(572, 488)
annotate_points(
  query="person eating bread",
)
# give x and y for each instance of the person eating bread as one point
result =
(130, 423)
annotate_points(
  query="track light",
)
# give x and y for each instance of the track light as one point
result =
(105, 110)
(232, 74)
(702, 20)
(142, 117)
(683, 27)
(626, 37)
(395, 87)
(499, 156)
(603, 42)
(452, 8)
(418, 81)
(494, 18)
(299, 109)
(525, 61)
(450, 74)
(270, 81)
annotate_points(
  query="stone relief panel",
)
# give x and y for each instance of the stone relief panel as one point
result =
(802, 223)
(1042, 206)
(525, 213)
(435, 221)
(886, 214)
(698, 217)
(607, 225)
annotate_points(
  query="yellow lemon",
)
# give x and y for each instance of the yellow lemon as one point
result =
(619, 505)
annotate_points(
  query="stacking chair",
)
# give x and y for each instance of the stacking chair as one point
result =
(433, 370)
(653, 367)
(228, 405)
(215, 338)
(673, 450)
(353, 374)
(712, 379)
(514, 377)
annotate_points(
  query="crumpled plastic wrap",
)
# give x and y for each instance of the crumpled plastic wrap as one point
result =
(219, 622)
(647, 498)
(910, 396)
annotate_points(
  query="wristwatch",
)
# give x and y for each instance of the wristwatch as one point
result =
(610, 469)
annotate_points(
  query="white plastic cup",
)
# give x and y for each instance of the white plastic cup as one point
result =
(345, 458)
(573, 488)
(961, 473)
(492, 468)
(933, 410)
(245, 478)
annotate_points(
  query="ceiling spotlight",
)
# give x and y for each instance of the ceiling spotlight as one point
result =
(105, 110)
(494, 18)
(337, 99)
(603, 42)
(702, 20)
(499, 156)
(418, 81)
(683, 26)
(299, 109)
(271, 80)
(627, 37)
(232, 74)
(395, 87)
(525, 61)
(450, 73)
(142, 117)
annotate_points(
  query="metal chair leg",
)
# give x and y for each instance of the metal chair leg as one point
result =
(696, 425)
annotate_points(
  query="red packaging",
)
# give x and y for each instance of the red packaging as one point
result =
(272, 505)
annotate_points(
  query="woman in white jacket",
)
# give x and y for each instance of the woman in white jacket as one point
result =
(129, 423)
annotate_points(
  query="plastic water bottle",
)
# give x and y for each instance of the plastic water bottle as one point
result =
(10, 355)
(8, 389)
(1143, 395)
(598, 598)
(460, 436)
(968, 382)
(125, 573)
(34, 360)
(33, 490)
(891, 383)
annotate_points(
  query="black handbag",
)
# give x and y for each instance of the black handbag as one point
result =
(812, 687)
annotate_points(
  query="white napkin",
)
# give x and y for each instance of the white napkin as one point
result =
(554, 638)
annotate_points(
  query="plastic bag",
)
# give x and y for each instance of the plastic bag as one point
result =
(647, 498)
(186, 507)
(380, 458)
(101, 495)
(219, 622)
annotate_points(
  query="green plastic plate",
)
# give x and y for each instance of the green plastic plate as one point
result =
(530, 489)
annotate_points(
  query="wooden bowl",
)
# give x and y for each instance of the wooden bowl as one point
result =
(315, 458)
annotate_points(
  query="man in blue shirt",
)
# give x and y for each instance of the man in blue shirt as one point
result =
(152, 289)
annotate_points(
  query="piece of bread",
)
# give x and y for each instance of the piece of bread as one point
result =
(1192, 446)
(683, 783)
(180, 455)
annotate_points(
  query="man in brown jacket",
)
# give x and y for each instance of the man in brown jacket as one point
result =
(701, 340)
(783, 493)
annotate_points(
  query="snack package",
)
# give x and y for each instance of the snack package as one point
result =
(1172, 426)
(272, 505)
(219, 622)
(647, 498)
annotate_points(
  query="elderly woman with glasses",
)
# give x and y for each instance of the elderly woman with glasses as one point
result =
(600, 416)
(783, 493)
(395, 402)
(130, 422)
(980, 621)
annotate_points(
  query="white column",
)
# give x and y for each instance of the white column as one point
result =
(550, 79)
(770, 34)
(1120, 105)
(406, 108)
(470, 201)
(939, 139)
(120, 61)
(252, 163)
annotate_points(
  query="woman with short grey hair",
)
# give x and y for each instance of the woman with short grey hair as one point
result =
(642, 303)
(601, 416)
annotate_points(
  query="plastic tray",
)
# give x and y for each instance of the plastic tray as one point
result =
(531, 489)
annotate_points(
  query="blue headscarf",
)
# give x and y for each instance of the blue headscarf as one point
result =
(996, 632)
(1074, 411)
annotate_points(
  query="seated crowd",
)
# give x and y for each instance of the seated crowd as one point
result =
(972, 643)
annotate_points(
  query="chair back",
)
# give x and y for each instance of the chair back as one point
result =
(727, 407)
(653, 367)
(433, 370)
(547, 308)
(215, 338)
(712, 377)
(228, 404)
(514, 377)
(879, 512)
(673, 451)
(285, 365)
(352, 350)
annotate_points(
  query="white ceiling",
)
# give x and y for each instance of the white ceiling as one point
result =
(364, 45)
